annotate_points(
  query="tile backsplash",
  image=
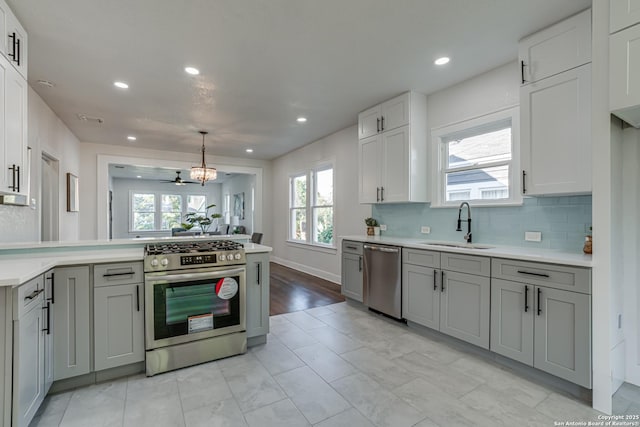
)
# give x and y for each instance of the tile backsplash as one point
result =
(563, 221)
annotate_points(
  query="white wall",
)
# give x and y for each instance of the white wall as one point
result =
(47, 133)
(122, 202)
(242, 184)
(349, 215)
(89, 154)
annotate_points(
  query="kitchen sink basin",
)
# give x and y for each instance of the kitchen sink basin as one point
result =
(459, 245)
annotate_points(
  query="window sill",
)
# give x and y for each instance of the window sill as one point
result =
(312, 247)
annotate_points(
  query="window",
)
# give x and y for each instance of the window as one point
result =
(162, 212)
(477, 161)
(311, 207)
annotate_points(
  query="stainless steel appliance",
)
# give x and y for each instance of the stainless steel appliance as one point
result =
(382, 279)
(195, 303)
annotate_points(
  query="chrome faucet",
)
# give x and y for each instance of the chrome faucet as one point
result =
(467, 236)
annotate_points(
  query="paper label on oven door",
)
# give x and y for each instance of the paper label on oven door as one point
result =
(202, 322)
(227, 288)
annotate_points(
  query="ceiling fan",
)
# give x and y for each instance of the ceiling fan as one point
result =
(178, 180)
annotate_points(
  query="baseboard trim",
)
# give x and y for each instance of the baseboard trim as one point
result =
(309, 270)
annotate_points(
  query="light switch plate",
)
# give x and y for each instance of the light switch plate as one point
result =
(383, 227)
(425, 229)
(533, 236)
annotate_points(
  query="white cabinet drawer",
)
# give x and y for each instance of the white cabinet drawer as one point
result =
(422, 258)
(117, 274)
(470, 264)
(574, 279)
(28, 296)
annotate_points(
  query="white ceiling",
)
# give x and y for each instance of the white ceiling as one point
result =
(263, 63)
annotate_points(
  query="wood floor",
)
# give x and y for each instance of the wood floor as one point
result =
(293, 290)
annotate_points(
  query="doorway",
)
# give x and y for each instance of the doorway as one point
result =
(49, 198)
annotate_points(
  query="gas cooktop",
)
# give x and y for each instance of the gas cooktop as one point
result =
(192, 247)
(185, 255)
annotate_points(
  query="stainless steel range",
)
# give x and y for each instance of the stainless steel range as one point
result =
(195, 303)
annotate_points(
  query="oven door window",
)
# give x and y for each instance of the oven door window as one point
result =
(190, 307)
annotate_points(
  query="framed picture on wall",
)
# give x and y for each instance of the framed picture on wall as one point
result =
(238, 205)
(73, 196)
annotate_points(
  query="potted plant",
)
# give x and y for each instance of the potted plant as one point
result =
(203, 221)
(371, 224)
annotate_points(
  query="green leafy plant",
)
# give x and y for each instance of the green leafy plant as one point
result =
(203, 221)
(371, 222)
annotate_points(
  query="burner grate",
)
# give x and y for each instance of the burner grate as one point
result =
(192, 247)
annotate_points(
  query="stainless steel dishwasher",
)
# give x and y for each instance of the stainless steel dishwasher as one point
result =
(382, 279)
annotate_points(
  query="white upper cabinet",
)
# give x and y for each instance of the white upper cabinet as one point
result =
(624, 75)
(555, 109)
(13, 142)
(392, 151)
(623, 14)
(557, 48)
(14, 42)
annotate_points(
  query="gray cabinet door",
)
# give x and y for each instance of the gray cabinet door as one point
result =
(48, 334)
(257, 294)
(352, 276)
(563, 335)
(119, 325)
(512, 309)
(421, 295)
(28, 366)
(71, 322)
(464, 307)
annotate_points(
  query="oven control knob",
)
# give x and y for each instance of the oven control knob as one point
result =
(238, 256)
(222, 257)
(154, 262)
(164, 262)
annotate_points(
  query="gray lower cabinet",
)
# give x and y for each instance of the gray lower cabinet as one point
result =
(464, 307)
(49, 303)
(512, 308)
(562, 344)
(257, 300)
(28, 351)
(421, 295)
(119, 325)
(71, 322)
(352, 273)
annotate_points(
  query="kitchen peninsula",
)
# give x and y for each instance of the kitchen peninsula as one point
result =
(74, 313)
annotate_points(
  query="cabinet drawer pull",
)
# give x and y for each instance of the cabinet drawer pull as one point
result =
(355, 248)
(127, 273)
(33, 294)
(526, 298)
(539, 308)
(533, 274)
(435, 275)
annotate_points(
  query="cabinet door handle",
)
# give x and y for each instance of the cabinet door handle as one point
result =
(360, 263)
(18, 52)
(259, 271)
(539, 308)
(354, 248)
(33, 294)
(53, 287)
(382, 124)
(442, 280)
(48, 328)
(377, 194)
(382, 194)
(435, 275)
(13, 177)
(524, 182)
(526, 298)
(13, 38)
(533, 274)
(137, 297)
(522, 65)
(125, 273)
(17, 181)
(377, 124)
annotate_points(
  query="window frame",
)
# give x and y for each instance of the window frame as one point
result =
(311, 205)
(181, 212)
(158, 208)
(440, 137)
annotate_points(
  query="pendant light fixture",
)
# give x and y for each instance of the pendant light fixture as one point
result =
(202, 173)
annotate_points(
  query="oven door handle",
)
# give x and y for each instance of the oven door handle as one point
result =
(194, 276)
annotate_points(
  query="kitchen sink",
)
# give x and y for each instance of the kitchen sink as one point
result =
(459, 245)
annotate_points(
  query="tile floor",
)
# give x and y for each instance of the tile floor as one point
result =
(327, 366)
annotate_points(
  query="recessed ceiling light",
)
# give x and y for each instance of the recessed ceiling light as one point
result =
(121, 85)
(249, 150)
(442, 61)
(131, 138)
(301, 119)
(138, 176)
(192, 71)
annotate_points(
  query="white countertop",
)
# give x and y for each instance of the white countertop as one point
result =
(495, 251)
(16, 269)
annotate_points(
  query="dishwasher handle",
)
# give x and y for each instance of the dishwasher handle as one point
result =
(382, 249)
